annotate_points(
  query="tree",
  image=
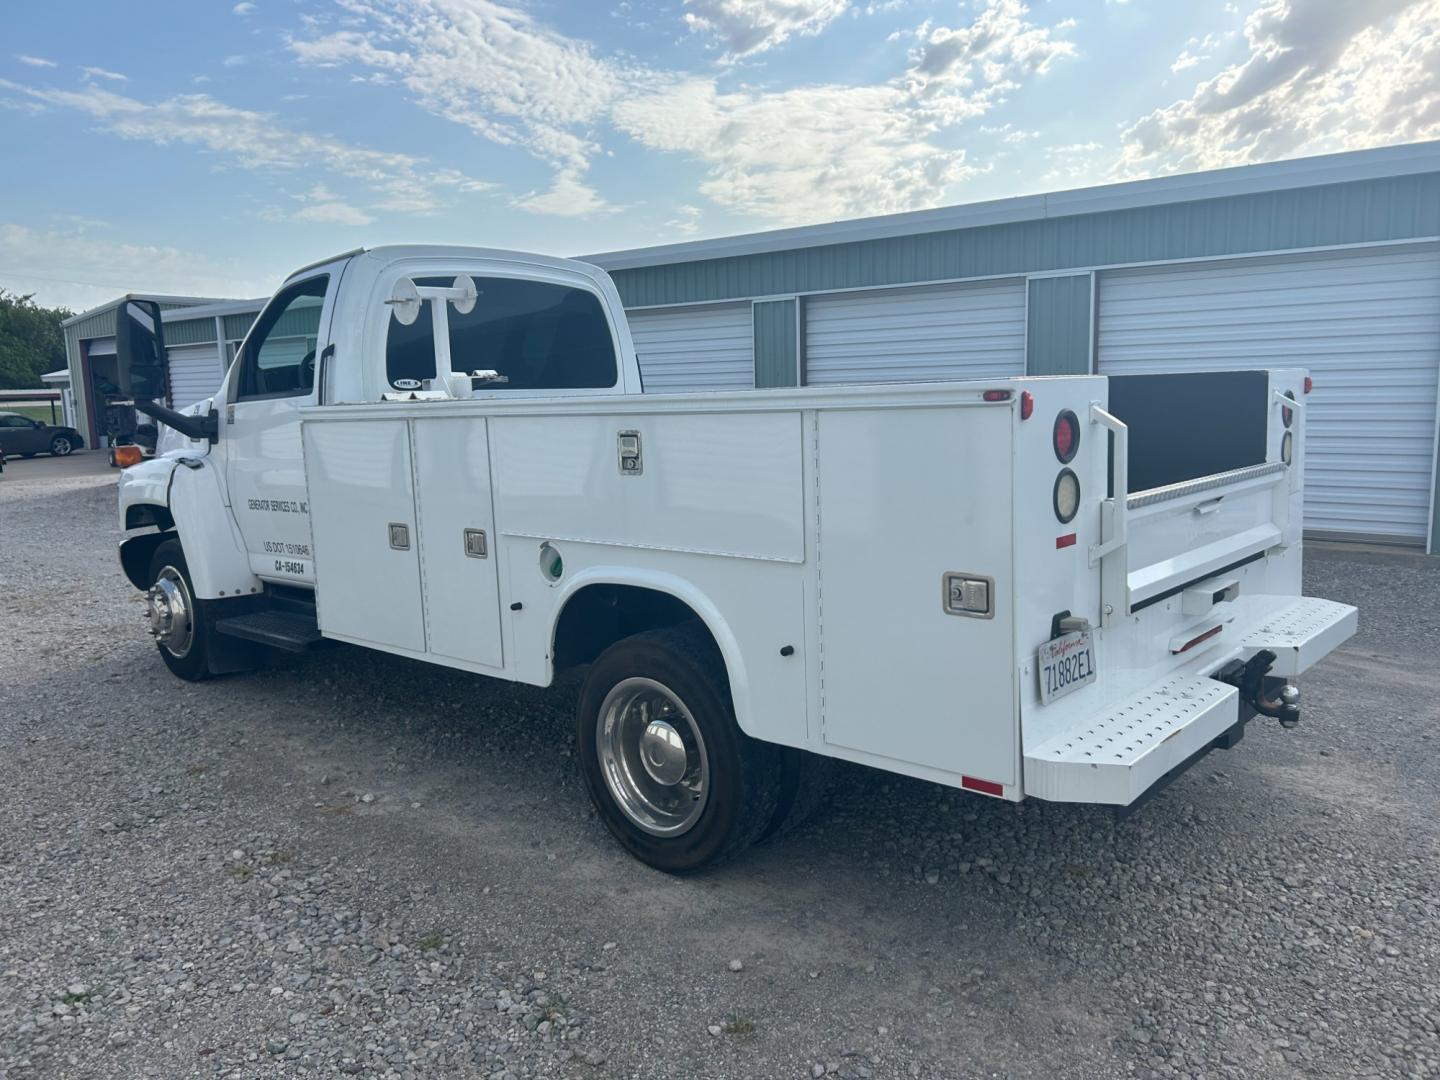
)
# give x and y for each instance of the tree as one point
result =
(31, 341)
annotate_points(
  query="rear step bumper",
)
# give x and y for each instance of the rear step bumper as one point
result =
(1116, 756)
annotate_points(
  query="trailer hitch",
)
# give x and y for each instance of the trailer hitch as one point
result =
(1267, 695)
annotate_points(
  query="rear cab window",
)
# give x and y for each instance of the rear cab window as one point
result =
(533, 335)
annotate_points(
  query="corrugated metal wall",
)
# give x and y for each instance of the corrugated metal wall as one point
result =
(916, 335)
(1390, 208)
(1057, 325)
(777, 343)
(699, 348)
(1366, 324)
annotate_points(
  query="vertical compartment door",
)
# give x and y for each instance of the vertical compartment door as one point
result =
(457, 539)
(362, 521)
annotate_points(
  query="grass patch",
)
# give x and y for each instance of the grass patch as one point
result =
(76, 999)
(431, 942)
(196, 770)
(240, 871)
(738, 1025)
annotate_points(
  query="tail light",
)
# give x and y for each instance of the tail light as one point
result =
(1066, 496)
(125, 456)
(996, 395)
(1287, 415)
(1027, 404)
(1067, 436)
(1309, 384)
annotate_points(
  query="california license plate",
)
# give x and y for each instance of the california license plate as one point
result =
(1066, 663)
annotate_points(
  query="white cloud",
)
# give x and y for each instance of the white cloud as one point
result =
(964, 71)
(79, 270)
(491, 68)
(321, 206)
(35, 61)
(1185, 60)
(235, 60)
(800, 154)
(746, 27)
(243, 8)
(1320, 76)
(101, 73)
(568, 196)
(806, 154)
(686, 221)
(255, 140)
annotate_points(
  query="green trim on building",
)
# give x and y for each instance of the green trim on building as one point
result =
(237, 326)
(1365, 211)
(1057, 325)
(777, 343)
(190, 332)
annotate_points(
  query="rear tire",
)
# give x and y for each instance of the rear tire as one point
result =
(185, 651)
(804, 787)
(673, 777)
(61, 446)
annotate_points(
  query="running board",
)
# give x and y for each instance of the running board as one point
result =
(1115, 757)
(279, 629)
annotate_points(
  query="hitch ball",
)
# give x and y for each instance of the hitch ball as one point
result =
(1289, 701)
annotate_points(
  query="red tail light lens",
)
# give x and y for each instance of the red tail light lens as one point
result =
(1309, 384)
(1067, 436)
(1287, 415)
(1027, 404)
(996, 395)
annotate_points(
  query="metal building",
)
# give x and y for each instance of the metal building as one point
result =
(201, 334)
(1331, 263)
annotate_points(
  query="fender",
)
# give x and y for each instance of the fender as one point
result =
(188, 486)
(686, 592)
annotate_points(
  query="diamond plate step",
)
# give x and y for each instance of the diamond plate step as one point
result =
(1115, 756)
(278, 629)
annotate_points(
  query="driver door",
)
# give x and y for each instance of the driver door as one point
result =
(273, 377)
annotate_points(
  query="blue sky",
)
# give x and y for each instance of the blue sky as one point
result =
(208, 148)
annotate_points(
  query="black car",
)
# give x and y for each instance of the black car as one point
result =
(25, 437)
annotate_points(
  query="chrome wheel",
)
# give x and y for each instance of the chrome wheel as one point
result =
(170, 610)
(652, 757)
(60, 446)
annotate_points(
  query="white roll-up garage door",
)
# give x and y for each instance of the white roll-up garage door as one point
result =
(707, 347)
(194, 373)
(1366, 324)
(924, 334)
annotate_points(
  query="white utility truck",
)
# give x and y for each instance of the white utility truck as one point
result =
(1066, 588)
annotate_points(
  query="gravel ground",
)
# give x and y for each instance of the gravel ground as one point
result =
(354, 864)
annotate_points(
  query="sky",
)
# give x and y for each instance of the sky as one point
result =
(208, 147)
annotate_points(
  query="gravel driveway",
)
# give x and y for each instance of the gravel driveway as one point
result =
(356, 864)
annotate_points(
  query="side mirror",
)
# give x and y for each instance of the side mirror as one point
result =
(140, 350)
(140, 364)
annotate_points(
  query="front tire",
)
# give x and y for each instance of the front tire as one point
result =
(179, 623)
(673, 777)
(61, 446)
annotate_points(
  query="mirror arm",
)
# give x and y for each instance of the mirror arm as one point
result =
(192, 427)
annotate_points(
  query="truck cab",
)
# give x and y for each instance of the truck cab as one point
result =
(447, 454)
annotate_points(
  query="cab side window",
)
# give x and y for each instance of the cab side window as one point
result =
(278, 359)
(536, 335)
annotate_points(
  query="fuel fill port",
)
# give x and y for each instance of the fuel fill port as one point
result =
(1266, 694)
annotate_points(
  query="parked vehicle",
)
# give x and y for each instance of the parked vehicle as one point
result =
(1063, 588)
(25, 437)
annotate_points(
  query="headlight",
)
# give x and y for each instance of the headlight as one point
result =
(1066, 497)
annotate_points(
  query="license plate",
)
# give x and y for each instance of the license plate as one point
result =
(1066, 663)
